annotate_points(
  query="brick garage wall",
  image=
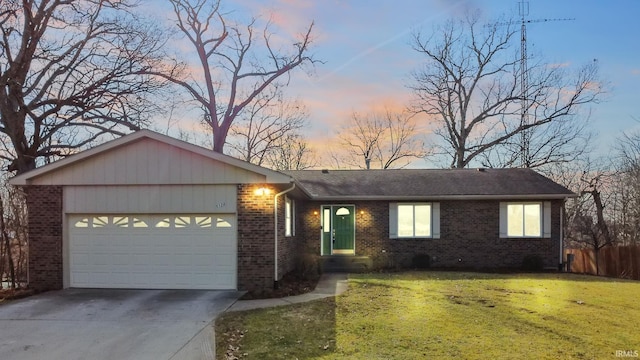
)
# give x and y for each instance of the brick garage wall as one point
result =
(255, 239)
(44, 205)
(469, 237)
(288, 249)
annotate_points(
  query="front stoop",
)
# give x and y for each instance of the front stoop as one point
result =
(345, 263)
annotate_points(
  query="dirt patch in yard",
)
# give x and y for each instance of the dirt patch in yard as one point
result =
(289, 285)
(12, 294)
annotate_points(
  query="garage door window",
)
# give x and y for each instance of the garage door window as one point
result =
(175, 222)
(190, 222)
(222, 223)
(96, 222)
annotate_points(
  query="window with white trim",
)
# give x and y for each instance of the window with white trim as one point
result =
(289, 223)
(525, 219)
(414, 220)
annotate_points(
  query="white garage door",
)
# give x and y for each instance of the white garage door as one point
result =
(153, 251)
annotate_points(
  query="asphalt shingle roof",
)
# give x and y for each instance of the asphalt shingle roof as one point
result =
(423, 184)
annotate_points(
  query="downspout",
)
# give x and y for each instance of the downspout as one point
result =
(561, 237)
(275, 244)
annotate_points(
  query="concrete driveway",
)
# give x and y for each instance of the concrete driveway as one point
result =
(112, 324)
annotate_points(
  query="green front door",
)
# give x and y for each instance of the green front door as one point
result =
(338, 229)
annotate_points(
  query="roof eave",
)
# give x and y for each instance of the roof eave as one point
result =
(442, 197)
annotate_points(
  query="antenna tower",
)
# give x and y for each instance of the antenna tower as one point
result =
(523, 10)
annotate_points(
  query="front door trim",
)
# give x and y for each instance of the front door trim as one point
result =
(326, 237)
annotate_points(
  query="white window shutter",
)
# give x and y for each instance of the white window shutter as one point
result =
(546, 219)
(393, 220)
(435, 220)
(504, 225)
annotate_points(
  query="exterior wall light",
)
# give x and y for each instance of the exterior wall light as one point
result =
(262, 191)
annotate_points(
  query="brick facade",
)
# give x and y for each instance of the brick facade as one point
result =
(288, 249)
(44, 204)
(469, 237)
(256, 238)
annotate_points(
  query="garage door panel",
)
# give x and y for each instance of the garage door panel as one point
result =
(153, 251)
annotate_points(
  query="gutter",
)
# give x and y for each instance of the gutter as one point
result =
(561, 237)
(441, 197)
(275, 244)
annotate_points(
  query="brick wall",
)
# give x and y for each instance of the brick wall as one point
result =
(44, 205)
(469, 237)
(288, 249)
(255, 238)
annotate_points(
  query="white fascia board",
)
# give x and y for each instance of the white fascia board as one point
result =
(444, 197)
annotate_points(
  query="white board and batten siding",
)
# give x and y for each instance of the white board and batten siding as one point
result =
(192, 199)
(148, 162)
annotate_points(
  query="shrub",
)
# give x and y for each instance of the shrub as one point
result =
(532, 263)
(421, 261)
(307, 266)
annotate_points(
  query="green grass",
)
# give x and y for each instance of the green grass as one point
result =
(417, 315)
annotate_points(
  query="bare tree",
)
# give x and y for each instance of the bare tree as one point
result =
(562, 141)
(260, 129)
(71, 72)
(386, 139)
(627, 188)
(471, 84)
(237, 63)
(291, 152)
(597, 233)
(590, 216)
(13, 235)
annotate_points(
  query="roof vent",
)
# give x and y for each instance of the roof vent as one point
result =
(325, 171)
(481, 169)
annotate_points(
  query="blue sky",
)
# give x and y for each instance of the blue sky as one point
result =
(366, 49)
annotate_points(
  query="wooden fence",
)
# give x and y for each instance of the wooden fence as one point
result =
(614, 261)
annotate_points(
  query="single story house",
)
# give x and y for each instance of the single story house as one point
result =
(151, 211)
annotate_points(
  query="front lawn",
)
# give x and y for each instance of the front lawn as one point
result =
(416, 315)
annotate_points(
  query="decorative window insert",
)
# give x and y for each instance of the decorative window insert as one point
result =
(158, 221)
(414, 220)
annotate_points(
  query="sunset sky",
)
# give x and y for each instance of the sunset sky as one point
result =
(367, 54)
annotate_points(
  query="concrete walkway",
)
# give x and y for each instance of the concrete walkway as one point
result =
(328, 285)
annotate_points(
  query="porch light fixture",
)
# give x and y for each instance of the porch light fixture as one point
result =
(262, 191)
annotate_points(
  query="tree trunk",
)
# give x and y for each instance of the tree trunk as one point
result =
(460, 161)
(7, 245)
(220, 136)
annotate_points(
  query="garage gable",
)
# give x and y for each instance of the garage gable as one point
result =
(148, 158)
